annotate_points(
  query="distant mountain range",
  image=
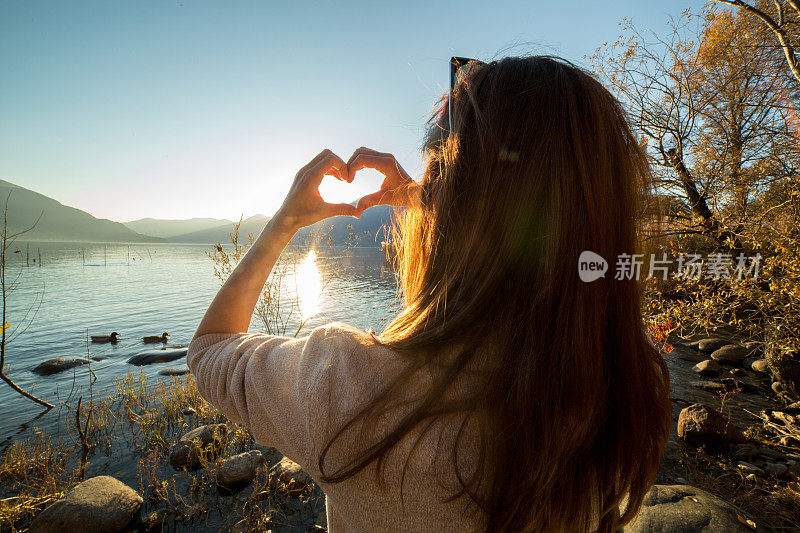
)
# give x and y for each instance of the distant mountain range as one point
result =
(57, 222)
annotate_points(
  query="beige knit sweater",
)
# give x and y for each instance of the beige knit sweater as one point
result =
(295, 394)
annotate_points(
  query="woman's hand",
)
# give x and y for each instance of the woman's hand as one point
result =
(397, 188)
(303, 205)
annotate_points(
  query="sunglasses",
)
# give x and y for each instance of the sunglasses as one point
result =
(459, 68)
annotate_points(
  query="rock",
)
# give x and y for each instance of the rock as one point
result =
(711, 345)
(240, 469)
(189, 411)
(769, 453)
(777, 388)
(174, 371)
(785, 367)
(683, 508)
(731, 353)
(760, 365)
(99, 504)
(156, 356)
(707, 368)
(288, 475)
(699, 424)
(202, 444)
(752, 477)
(745, 451)
(749, 468)
(58, 364)
(156, 520)
(776, 469)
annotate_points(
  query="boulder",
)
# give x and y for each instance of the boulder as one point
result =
(707, 368)
(683, 508)
(240, 469)
(100, 504)
(699, 424)
(731, 353)
(711, 345)
(287, 475)
(201, 445)
(156, 356)
(58, 364)
(174, 371)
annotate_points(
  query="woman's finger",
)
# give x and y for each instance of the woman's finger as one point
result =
(330, 164)
(377, 198)
(384, 164)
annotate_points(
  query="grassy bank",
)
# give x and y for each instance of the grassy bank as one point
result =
(127, 432)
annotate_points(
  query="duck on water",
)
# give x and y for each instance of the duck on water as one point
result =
(113, 338)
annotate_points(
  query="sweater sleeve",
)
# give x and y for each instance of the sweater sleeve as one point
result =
(281, 388)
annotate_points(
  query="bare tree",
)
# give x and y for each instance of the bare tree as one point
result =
(780, 28)
(5, 289)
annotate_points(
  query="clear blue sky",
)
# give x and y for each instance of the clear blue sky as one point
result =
(178, 109)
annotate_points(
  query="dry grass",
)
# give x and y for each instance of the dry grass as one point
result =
(141, 419)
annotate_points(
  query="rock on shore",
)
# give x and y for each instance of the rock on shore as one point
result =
(157, 356)
(240, 469)
(58, 364)
(668, 508)
(100, 504)
(288, 475)
(202, 443)
(700, 424)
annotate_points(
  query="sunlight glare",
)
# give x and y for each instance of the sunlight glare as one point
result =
(309, 285)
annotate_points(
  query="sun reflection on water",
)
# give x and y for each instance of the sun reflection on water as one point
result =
(309, 285)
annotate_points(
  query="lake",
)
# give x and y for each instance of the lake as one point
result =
(146, 289)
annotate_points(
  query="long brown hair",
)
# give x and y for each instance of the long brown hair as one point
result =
(574, 411)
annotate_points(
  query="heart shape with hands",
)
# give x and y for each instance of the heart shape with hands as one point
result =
(305, 204)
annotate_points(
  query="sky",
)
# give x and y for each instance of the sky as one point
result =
(178, 109)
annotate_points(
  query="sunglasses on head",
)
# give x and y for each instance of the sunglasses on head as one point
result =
(459, 68)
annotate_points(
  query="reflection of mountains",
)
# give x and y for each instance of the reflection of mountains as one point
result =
(58, 222)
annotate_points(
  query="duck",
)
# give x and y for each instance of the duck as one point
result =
(156, 338)
(113, 338)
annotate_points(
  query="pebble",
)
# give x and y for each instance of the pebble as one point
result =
(731, 353)
(760, 365)
(777, 388)
(748, 468)
(240, 469)
(752, 477)
(776, 469)
(745, 451)
(707, 368)
(711, 344)
(186, 452)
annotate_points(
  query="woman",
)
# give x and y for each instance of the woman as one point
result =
(507, 395)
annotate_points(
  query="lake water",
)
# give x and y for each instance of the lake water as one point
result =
(148, 289)
(140, 290)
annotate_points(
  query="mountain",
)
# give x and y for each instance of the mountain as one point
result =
(221, 232)
(59, 222)
(173, 228)
(369, 230)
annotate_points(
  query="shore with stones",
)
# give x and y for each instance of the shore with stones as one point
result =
(154, 455)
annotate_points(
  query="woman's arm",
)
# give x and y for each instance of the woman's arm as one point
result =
(232, 307)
